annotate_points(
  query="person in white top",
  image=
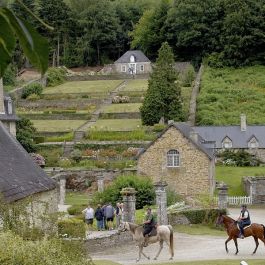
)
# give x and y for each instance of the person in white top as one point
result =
(243, 220)
(89, 216)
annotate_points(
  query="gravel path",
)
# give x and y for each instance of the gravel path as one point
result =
(190, 247)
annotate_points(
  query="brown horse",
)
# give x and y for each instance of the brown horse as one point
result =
(255, 230)
(164, 234)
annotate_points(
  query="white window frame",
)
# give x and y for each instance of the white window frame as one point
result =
(123, 68)
(227, 143)
(253, 143)
(142, 68)
(173, 159)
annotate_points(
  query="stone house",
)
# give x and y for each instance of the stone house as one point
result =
(178, 157)
(250, 138)
(255, 188)
(133, 62)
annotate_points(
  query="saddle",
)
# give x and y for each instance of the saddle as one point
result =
(245, 227)
(153, 232)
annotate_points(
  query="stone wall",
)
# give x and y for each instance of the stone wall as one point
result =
(147, 68)
(255, 187)
(194, 176)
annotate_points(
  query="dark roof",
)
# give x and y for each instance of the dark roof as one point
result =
(139, 57)
(20, 176)
(239, 138)
(185, 129)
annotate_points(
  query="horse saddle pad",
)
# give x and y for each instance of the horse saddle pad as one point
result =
(153, 232)
(245, 227)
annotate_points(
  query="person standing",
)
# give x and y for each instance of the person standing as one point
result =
(118, 214)
(243, 220)
(109, 214)
(99, 215)
(89, 216)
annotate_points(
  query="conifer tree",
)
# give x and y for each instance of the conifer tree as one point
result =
(163, 98)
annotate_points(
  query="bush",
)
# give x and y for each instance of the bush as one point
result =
(39, 159)
(65, 162)
(39, 139)
(76, 209)
(76, 155)
(159, 127)
(9, 78)
(34, 88)
(188, 76)
(72, 228)
(173, 197)
(33, 97)
(143, 186)
(55, 76)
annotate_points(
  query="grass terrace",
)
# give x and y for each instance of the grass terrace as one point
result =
(136, 85)
(98, 86)
(226, 93)
(117, 125)
(57, 125)
(125, 107)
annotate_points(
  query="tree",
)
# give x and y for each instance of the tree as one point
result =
(163, 98)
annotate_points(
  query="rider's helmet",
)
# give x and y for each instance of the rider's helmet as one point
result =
(244, 206)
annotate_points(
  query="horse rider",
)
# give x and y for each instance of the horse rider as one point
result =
(149, 223)
(243, 220)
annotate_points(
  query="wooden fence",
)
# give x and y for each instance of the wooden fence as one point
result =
(237, 200)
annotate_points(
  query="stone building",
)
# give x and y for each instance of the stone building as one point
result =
(133, 62)
(178, 157)
(255, 188)
(250, 138)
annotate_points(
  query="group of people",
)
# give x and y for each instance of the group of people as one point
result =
(104, 215)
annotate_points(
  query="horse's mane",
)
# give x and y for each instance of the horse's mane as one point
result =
(133, 226)
(230, 219)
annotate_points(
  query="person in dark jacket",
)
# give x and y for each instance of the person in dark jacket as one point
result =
(99, 215)
(243, 220)
(149, 224)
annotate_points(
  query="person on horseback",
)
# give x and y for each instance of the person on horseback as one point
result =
(149, 223)
(243, 220)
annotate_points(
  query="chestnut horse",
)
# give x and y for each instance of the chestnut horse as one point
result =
(255, 230)
(164, 234)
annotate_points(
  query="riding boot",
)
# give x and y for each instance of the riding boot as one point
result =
(241, 234)
(145, 241)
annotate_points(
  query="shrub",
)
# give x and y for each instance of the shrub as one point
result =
(143, 186)
(34, 88)
(39, 139)
(173, 197)
(39, 159)
(76, 209)
(130, 152)
(188, 76)
(76, 155)
(159, 127)
(9, 78)
(72, 228)
(33, 97)
(55, 76)
(65, 162)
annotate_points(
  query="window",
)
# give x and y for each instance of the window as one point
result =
(253, 143)
(123, 68)
(227, 143)
(173, 158)
(132, 59)
(141, 68)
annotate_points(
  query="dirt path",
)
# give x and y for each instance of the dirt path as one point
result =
(190, 247)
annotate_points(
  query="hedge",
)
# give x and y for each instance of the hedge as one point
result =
(73, 227)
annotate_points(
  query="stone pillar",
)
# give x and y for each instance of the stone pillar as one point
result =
(161, 202)
(2, 107)
(100, 182)
(62, 190)
(129, 200)
(222, 196)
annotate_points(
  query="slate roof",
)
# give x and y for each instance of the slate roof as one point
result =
(239, 138)
(139, 57)
(20, 176)
(185, 129)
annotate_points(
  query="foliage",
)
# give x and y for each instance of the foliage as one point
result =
(188, 76)
(39, 159)
(25, 134)
(76, 155)
(55, 76)
(34, 88)
(51, 155)
(9, 78)
(143, 186)
(76, 209)
(64, 162)
(173, 197)
(15, 28)
(73, 228)
(163, 97)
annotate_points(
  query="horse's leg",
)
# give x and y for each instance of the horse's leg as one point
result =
(257, 244)
(144, 253)
(228, 239)
(161, 246)
(235, 240)
(140, 252)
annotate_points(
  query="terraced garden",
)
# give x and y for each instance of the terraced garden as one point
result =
(226, 93)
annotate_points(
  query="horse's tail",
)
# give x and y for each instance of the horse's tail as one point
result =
(171, 241)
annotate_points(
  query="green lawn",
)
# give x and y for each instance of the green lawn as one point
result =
(232, 177)
(117, 125)
(136, 85)
(227, 92)
(103, 86)
(211, 262)
(199, 229)
(76, 198)
(57, 125)
(125, 107)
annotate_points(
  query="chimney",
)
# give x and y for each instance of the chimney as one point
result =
(243, 122)
(194, 136)
(2, 107)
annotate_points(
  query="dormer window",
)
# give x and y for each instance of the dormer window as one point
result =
(173, 158)
(132, 59)
(227, 143)
(253, 142)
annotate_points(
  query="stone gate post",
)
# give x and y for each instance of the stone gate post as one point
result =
(100, 182)
(62, 183)
(129, 200)
(161, 202)
(222, 196)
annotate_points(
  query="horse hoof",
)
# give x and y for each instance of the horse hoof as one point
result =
(137, 260)
(148, 257)
(155, 258)
(171, 258)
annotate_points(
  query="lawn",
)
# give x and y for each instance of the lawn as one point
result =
(119, 108)
(226, 93)
(232, 177)
(57, 125)
(103, 86)
(199, 229)
(117, 125)
(76, 198)
(136, 85)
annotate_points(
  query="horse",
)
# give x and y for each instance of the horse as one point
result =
(164, 234)
(255, 230)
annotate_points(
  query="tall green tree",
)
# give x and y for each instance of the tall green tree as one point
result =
(163, 98)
